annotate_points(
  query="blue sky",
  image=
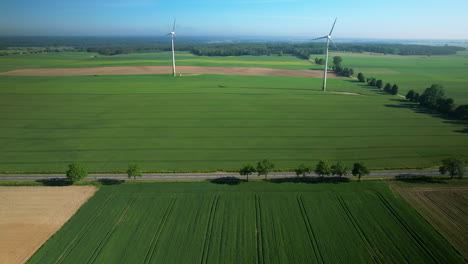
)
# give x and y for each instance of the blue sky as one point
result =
(414, 19)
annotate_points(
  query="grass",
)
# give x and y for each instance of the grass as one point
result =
(212, 122)
(414, 72)
(251, 222)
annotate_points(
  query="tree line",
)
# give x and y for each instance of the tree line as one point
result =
(203, 46)
(389, 88)
(434, 98)
(454, 166)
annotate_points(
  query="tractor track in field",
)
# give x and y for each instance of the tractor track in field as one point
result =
(310, 231)
(155, 238)
(259, 233)
(109, 234)
(376, 255)
(209, 229)
(414, 235)
(82, 232)
(184, 71)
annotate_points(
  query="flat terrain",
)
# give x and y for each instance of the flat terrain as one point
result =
(212, 122)
(30, 215)
(415, 72)
(257, 222)
(444, 204)
(85, 59)
(124, 70)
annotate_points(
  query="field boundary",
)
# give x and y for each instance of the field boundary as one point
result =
(182, 71)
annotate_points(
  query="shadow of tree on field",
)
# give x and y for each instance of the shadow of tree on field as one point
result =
(109, 181)
(55, 182)
(310, 180)
(417, 108)
(420, 179)
(227, 180)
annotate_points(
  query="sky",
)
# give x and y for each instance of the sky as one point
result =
(396, 19)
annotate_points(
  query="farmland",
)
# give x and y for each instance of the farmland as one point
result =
(443, 203)
(31, 215)
(211, 122)
(415, 72)
(260, 222)
(85, 59)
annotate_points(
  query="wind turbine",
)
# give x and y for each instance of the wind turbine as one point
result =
(172, 34)
(328, 37)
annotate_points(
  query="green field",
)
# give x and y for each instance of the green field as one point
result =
(256, 222)
(415, 72)
(84, 59)
(211, 122)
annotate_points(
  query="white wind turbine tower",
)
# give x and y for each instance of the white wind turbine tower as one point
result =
(172, 34)
(328, 37)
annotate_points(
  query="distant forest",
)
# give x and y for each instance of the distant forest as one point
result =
(203, 47)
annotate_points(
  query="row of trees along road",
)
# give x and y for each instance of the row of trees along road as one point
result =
(389, 88)
(434, 98)
(323, 168)
(454, 166)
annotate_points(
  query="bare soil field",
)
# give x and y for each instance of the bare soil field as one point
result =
(30, 215)
(124, 70)
(445, 208)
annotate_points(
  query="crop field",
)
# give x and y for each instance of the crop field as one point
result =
(415, 72)
(85, 59)
(443, 203)
(257, 222)
(211, 122)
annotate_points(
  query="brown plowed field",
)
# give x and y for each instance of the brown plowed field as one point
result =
(446, 208)
(30, 215)
(251, 71)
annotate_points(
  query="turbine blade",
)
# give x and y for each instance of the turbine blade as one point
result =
(332, 41)
(173, 28)
(320, 38)
(333, 26)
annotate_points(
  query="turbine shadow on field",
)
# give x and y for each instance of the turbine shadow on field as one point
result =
(227, 180)
(310, 180)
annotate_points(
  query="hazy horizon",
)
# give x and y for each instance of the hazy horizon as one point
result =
(260, 18)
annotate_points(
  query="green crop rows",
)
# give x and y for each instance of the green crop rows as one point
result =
(258, 222)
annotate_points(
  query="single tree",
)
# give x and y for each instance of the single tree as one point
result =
(323, 168)
(431, 95)
(361, 77)
(337, 60)
(446, 105)
(454, 166)
(351, 72)
(388, 87)
(410, 95)
(373, 82)
(303, 170)
(247, 170)
(134, 171)
(359, 169)
(76, 172)
(339, 169)
(379, 84)
(416, 97)
(394, 89)
(264, 167)
(462, 112)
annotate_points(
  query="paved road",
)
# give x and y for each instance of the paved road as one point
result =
(200, 176)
